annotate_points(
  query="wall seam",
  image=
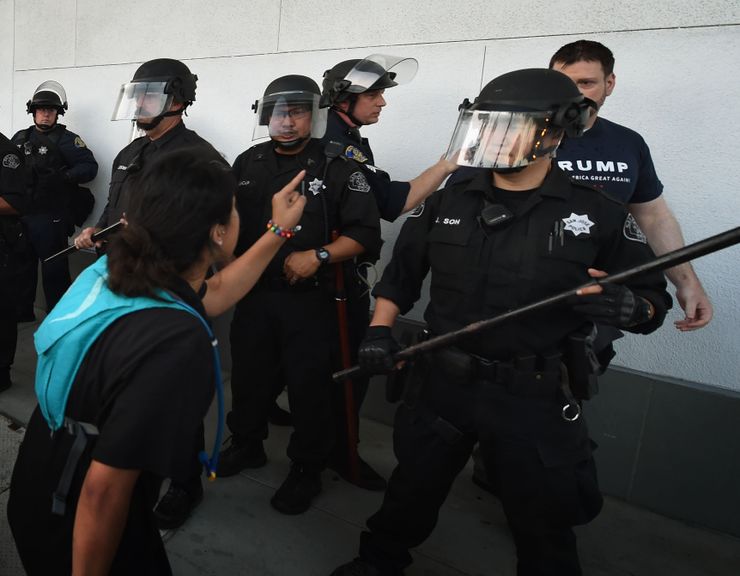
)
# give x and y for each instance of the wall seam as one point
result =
(638, 449)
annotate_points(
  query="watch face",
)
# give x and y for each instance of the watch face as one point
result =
(322, 254)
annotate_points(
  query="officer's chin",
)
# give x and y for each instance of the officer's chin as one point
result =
(44, 127)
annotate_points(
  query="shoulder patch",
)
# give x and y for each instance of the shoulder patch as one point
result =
(354, 153)
(79, 143)
(358, 183)
(632, 230)
(11, 161)
(418, 211)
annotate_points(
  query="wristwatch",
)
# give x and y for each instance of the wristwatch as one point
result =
(323, 255)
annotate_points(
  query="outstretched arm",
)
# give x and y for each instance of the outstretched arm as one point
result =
(664, 235)
(427, 182)
(229, 285)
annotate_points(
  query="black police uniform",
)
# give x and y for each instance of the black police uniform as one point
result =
(502, 387)
(13, 252)
(130, 161)
(57, 161)
(146, 383)
(390, 197)
(287, 334)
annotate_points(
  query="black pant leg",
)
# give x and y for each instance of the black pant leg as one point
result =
(48, 235)
(255, 364)
(308, 343)
(430, 453)
(545, 472)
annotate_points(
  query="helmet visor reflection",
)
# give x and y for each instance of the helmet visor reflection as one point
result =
(290, 116)
(138, 100)
(390, 70)
(494, 139)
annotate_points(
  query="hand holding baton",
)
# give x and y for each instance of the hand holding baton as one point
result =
(669, 260)
(99, 235)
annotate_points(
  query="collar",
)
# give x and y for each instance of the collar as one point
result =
(177, 129)
(311, 158)
(337, 125)
(555, 185)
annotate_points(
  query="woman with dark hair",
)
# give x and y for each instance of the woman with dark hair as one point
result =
(126, 372)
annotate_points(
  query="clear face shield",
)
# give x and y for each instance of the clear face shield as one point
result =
(497, 139)
(366, 73)
(289, 117)
(142, 100)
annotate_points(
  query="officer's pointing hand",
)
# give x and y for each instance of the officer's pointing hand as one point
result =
(375, 355)
(288, 203)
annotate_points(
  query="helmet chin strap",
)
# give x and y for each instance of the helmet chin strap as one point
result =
(45, 127)
(291, 144)
(350, 110)
(157, 119)
(510, 170)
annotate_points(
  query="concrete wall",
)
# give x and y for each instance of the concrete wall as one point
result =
(675, 84)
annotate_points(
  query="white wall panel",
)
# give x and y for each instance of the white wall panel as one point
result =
(138, 30)
(675, 84)
(391, 22)
(45, 34)
(6, 65)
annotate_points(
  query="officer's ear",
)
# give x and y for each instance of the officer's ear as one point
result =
(611, 81)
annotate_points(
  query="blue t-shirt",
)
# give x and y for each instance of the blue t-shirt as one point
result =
(612, 158)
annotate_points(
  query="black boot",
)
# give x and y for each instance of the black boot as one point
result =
(239, 455)
(177, 504)
(301, 486)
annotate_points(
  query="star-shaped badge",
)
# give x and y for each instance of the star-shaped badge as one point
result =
(43, 150)
(315, 186)
(578, 223)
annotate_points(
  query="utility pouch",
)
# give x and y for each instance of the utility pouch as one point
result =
(583, 364)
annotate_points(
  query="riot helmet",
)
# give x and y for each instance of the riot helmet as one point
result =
(289, 112)
(155, 86)
(346, 80)
(518, 118)
(49, 94)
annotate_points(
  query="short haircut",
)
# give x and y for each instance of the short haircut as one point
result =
(585, 50)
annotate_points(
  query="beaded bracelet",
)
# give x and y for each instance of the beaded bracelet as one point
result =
(278, 231)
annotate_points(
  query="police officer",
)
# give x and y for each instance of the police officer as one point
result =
(13, 202)
(354, 90)
(518, 232)
(57, 161)
(285, 329)
(156, 98)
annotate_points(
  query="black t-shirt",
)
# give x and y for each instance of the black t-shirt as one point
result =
(146, 383)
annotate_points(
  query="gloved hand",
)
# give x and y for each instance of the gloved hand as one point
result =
(616, 306)
(375, 355)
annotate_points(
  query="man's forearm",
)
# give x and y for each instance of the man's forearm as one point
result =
(385, 313)
(664, 235)
(427, 183)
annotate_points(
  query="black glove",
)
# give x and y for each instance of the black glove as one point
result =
(616, 306)
(375, 355)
